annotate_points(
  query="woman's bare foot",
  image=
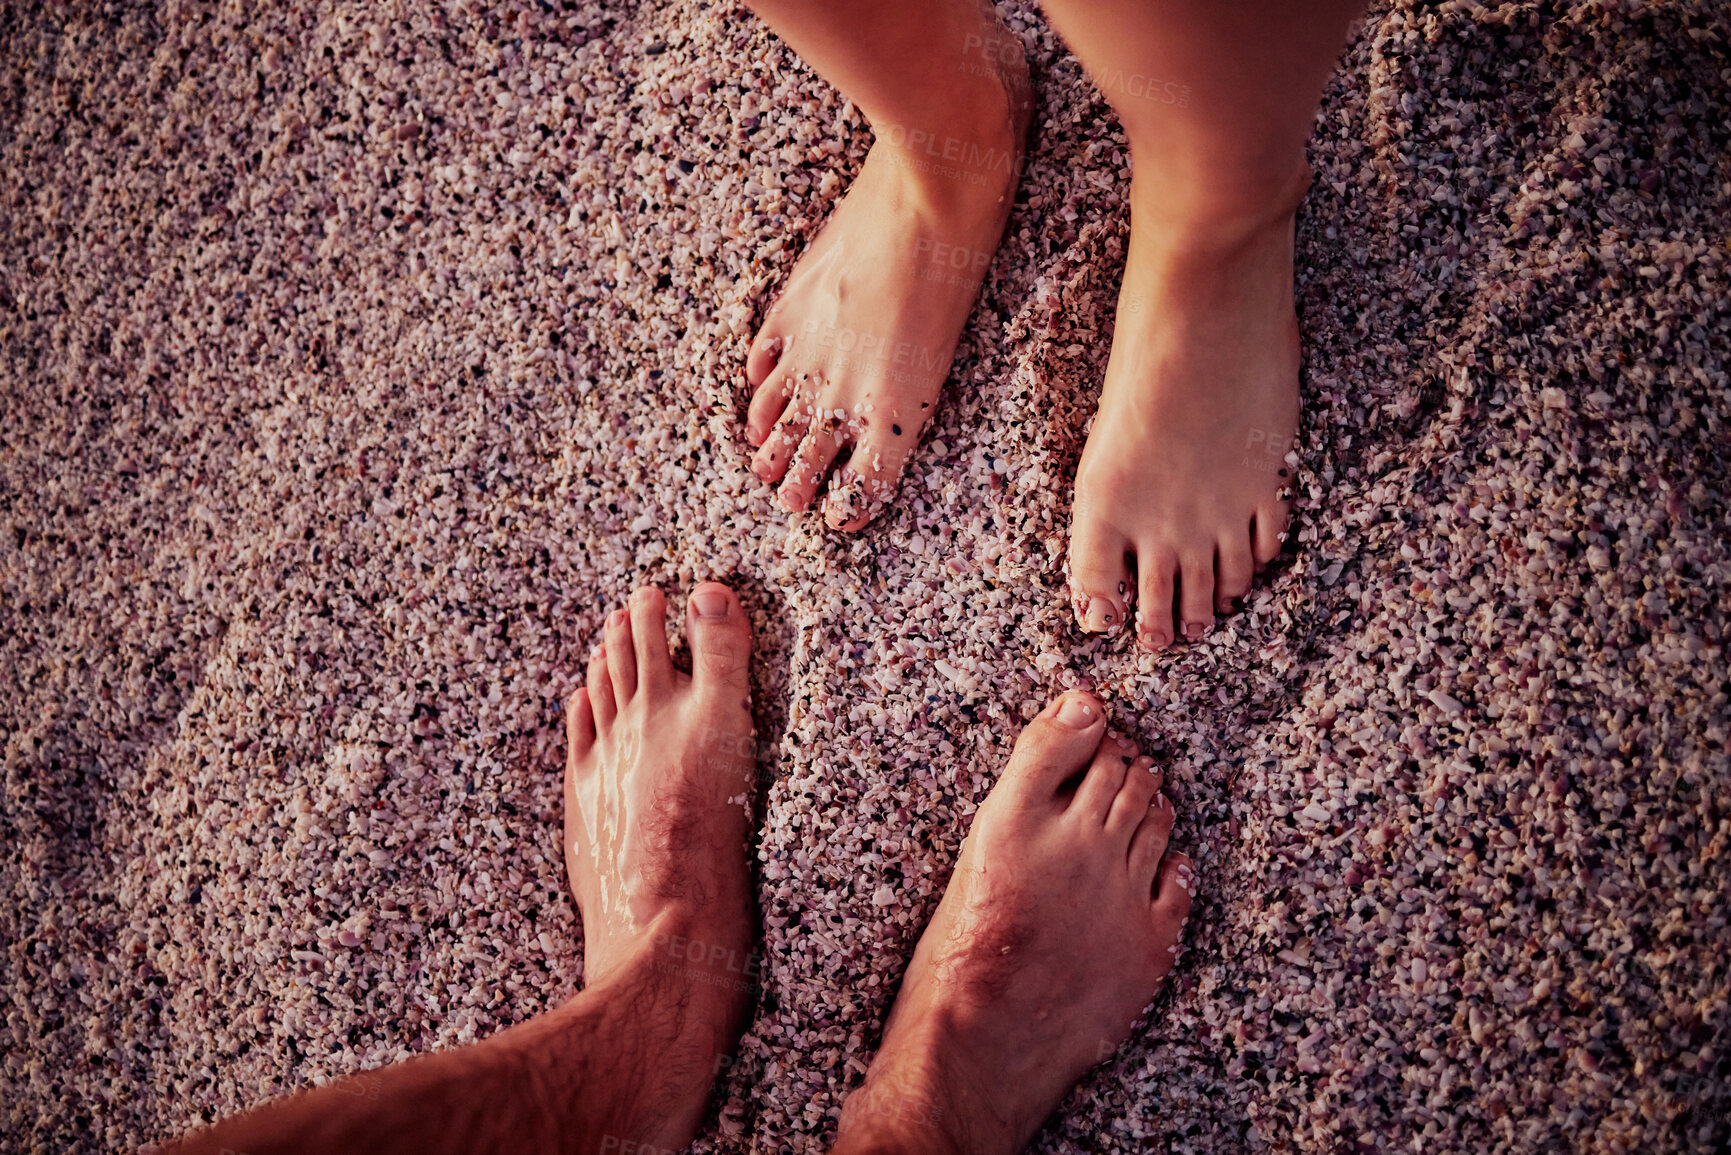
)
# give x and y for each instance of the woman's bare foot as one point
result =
(657, 830)
(1185, 476)
(1060, 922)
(851, 357)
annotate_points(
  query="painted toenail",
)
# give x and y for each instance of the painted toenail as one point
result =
(1077, 714)
(1099, 615)
(710, 604)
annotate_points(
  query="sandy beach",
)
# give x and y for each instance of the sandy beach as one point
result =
(359, 358)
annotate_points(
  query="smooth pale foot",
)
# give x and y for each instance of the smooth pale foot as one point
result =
(1183, 491)
(1059, 924)
(850, 359)
(657, 826)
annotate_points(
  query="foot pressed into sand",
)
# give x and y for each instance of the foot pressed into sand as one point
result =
(1061, 920)
(1183, 490)
(657, 829)
(849, 362)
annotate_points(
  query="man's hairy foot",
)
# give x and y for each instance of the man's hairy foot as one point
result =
(1061, 920)
(657, 825)
(851, 357)
(1183, 491)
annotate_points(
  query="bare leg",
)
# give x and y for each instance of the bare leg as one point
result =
(850, 359)
(1060, 922)
(1185, 471)
(656, 827)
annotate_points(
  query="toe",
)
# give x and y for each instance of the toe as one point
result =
(1141, 783)
(1234, 569)
(720, 643)
(1099, 576)
(872, 471)
(579, 727)
(765, 353)
(1154, 628)
(810, 464)
(1269, 533)
(767, 406)
(601, 705)
(649, 640)
(1174, 889)
(773, 457)
(1196, 594)
(621, 659)
(1056, 744)
(1148, 843)
(1105, 778)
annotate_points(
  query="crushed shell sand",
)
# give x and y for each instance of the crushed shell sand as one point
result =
(360, 357)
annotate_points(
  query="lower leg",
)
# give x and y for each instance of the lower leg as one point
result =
(1057, 928)
(1217, 97)
(849, 361)
(587, 1077)
(656, 851)
(1185, 476)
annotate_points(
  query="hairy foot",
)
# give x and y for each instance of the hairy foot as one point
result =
(850, 359)
(657, 826)
(1182, 492)
(1061, 920)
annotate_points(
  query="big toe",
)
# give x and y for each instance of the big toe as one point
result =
(1057, 744)
(720, 642)
(1099, 577)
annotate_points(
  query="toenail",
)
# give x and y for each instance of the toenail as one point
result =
(710, 604)
(1077, 714)
(1195, 631)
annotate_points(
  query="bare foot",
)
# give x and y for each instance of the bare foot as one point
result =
(851, 357)
(1185, 474)
(657, 828)
(1061, 920)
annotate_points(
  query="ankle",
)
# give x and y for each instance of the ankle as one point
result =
(1211, 211)
(921, 1095)
(682, 949)
(971, 139)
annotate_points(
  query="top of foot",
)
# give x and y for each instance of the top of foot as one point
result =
(1183, 490)
(850, 359)
(1061, 920)
(657, 784)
